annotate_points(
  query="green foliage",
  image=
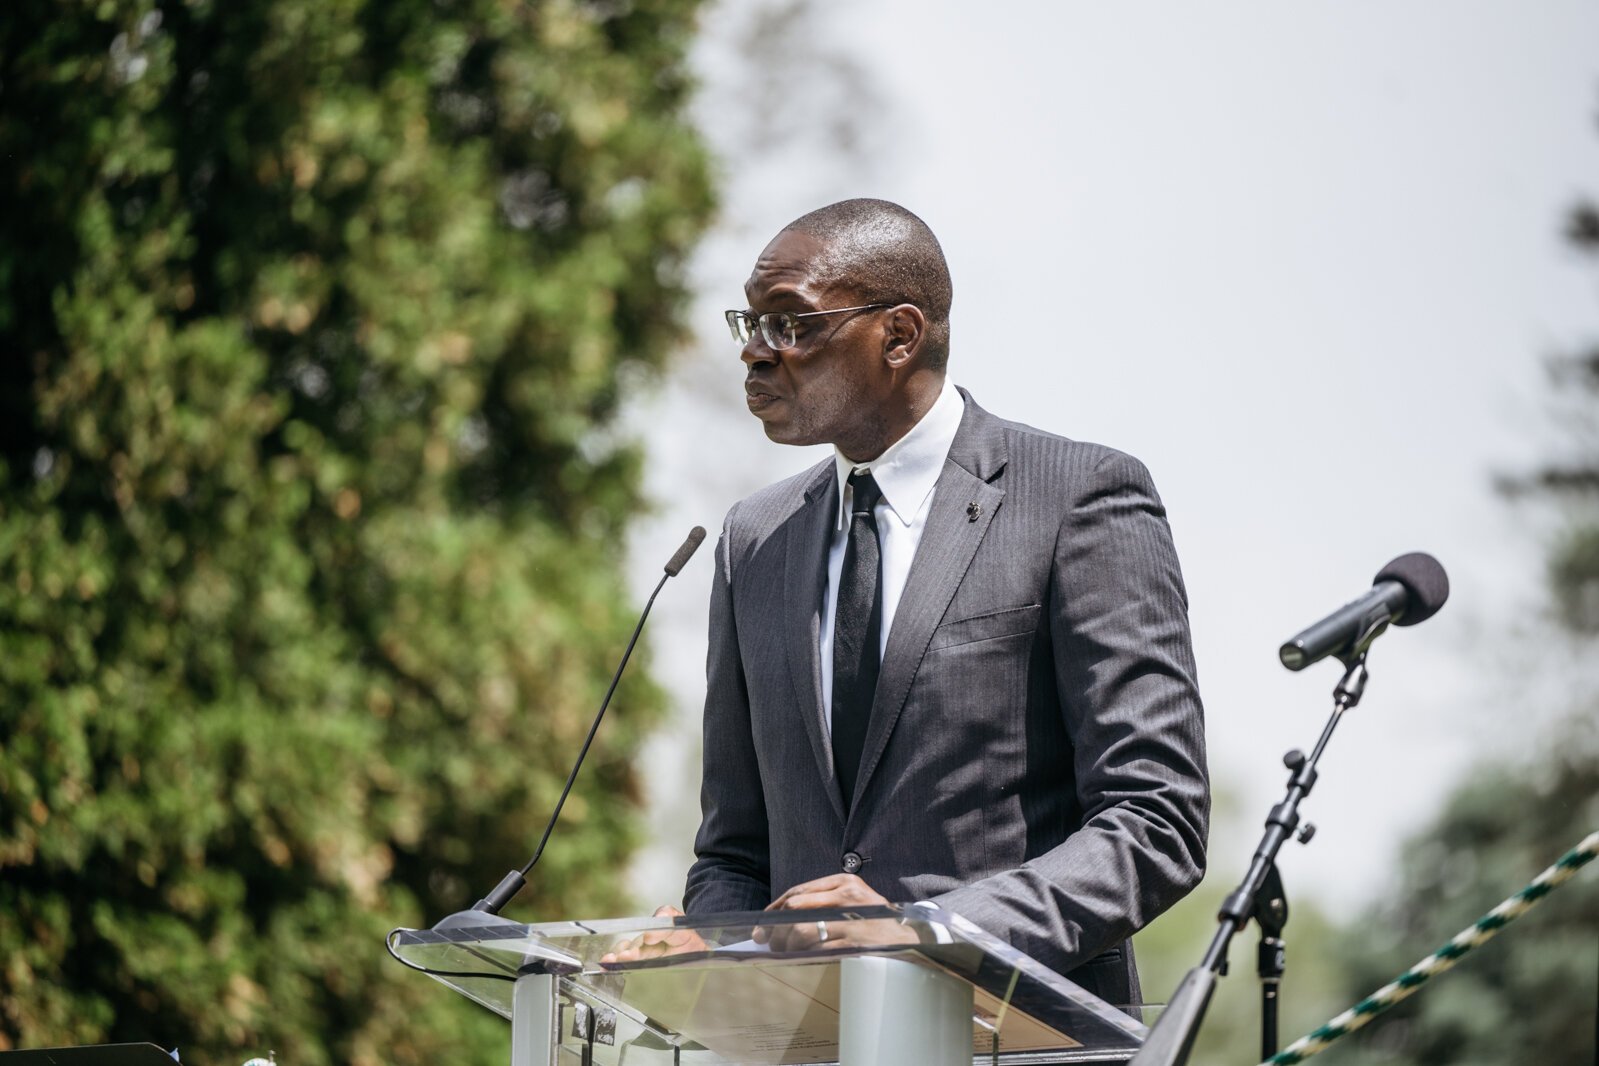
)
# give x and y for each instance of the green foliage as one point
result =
(1570, 479)
(1569, 482)
(1574, 579)
(315, 317)
(1530, 994)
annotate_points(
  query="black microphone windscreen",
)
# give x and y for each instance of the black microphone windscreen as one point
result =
(1425, 580)
(676, 563)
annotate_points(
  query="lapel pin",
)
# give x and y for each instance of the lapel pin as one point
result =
(974, 511)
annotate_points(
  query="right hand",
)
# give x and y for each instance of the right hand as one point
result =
(657, 943)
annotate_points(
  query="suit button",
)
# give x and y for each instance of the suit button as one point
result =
(852, 863)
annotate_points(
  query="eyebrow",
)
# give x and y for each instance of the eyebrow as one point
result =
(786, 293)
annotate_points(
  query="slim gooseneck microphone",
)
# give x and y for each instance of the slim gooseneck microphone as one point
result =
(486, 910)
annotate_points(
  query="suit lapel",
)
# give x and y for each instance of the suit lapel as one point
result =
(968, 493)
(804, 588)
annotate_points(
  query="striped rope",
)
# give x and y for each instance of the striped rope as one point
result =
(1442, 959)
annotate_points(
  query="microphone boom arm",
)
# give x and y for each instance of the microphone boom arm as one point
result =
(1172, 1038)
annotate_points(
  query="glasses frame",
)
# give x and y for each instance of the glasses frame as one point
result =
(743, 325)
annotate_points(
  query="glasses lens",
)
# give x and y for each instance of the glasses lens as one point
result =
(778, 329)
(739, 325)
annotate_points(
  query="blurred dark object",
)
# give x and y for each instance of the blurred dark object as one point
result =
(91, 1055)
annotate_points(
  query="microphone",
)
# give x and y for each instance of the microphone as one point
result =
(1406, 591)
(486, 911)
(680, 558)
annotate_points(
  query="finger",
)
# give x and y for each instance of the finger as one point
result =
(626, 951)
(821, 884)
(787, 938)
(658, 936)
(809, 886)
(810, 901)
(639, 950)
(834, 898)
(683, 938)
(802, 936)
(630, 950)
(848, 892)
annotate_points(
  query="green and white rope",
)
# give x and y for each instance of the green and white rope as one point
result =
(1442, 959)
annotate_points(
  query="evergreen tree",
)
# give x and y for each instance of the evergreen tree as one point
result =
(315, 318)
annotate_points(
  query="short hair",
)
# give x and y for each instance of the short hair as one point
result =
(885, 254)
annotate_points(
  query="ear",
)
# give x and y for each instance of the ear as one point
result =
(905, 331)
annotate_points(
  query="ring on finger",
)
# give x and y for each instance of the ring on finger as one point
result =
(821, 932)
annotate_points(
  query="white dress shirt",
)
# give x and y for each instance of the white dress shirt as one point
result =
(907, 474)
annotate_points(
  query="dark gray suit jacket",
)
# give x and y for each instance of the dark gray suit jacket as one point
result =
(1035, 759)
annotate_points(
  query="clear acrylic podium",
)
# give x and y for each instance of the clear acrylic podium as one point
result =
(956, 997)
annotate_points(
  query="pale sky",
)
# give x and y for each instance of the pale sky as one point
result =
(1304, 260)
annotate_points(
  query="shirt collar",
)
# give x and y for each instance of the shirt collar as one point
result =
(909, 468)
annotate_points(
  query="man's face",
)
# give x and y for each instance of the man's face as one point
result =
(829, 388)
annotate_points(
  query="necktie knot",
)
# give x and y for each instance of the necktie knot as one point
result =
(865, 490)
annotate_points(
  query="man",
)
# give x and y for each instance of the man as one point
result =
(951, 663)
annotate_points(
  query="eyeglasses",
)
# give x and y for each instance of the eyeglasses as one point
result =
(780, 328)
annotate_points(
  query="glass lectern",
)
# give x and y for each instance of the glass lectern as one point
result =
(952, 996)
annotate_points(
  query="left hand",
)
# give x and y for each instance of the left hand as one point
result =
(836, 891)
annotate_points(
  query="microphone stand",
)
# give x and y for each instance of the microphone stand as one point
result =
(1172, 1038)
(1271, 955)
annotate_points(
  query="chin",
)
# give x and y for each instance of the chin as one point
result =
(790, 436)
(776, 435)
(777, 432)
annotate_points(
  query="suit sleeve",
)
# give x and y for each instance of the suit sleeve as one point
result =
(731, 868)
(1125, 675)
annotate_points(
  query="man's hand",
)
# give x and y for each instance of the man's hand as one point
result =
(656, 943)
(837, 891)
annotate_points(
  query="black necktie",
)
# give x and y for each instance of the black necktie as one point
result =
(857, 628)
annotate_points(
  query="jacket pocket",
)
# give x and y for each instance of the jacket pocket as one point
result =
(990, 626)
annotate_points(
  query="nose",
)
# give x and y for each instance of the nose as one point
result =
(755, 352)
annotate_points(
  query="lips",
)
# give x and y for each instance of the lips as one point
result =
(758, 395)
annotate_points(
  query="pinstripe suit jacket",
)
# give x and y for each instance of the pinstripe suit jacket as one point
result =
(1035, 755)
